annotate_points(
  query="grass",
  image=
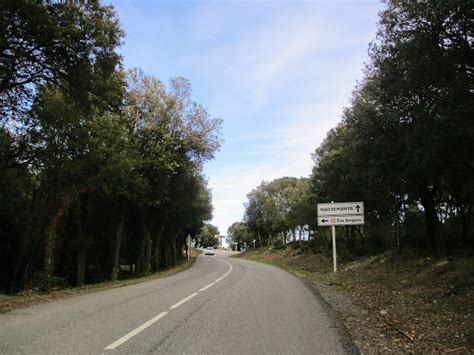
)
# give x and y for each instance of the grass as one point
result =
(31, 297)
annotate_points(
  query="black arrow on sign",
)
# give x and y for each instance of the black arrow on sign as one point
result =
(358, 208)
(325, 220)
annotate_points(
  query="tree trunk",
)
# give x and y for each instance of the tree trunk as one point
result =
(116, 245)
(155, 257)
(397, 233)
(81, 267)
(431, 220)
(146, 245)
(173, 250)
(164, 252)
(49, 248)
(50, 233)
(143, 262)
(81, 255)
(464, 226)
(347, 238)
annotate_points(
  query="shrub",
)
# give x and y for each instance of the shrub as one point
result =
(279, 245)
(45, 283)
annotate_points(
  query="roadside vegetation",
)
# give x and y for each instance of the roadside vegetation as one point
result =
(100, 168)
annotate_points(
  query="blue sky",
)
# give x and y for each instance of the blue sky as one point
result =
(279, 74)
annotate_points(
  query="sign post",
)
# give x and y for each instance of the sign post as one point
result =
(188, 239)
(334, 253)
(339, 214)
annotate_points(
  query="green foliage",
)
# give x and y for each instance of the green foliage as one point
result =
(279, 207)
(414, 229)
(279, 245)
(238, 232)
(101, 170)
(67, 43)
(207, 236)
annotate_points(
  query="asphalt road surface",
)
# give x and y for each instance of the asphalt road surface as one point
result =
(221, 305)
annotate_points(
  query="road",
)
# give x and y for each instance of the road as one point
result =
(221, 305)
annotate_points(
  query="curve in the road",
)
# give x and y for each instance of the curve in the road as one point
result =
(161, 315)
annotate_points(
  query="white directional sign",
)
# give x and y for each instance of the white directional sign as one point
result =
(340, 220)
(339, 214)
(340, 209)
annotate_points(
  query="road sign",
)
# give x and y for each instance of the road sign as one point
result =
(339, 214)
(340, 209)
(340, 220)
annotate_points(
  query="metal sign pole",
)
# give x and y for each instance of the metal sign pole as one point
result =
(334, 254)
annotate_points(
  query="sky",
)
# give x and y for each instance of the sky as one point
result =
(279, 74)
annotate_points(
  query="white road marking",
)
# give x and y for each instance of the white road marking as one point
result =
(206, 287)
(136, 331)
(162, 314)
(184, 300)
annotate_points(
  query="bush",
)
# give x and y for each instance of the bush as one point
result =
(45, 283)
(279, 245)
(414, 230)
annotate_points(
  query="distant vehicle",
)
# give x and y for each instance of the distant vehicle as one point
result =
(210, 251)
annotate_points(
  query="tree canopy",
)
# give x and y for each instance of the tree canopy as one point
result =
(101, 170)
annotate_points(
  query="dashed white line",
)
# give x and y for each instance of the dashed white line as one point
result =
(184, 300)
(206, 287)
(136, 331)
(162, 314)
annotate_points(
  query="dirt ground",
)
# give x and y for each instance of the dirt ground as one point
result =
(393, 303)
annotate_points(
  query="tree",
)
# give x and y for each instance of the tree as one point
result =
(207, 236)
(422, 63)
(71, 44)
(275, 209)
(238, 232)
(101, 185)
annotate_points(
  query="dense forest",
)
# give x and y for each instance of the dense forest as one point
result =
(100, 168)
(404, 145)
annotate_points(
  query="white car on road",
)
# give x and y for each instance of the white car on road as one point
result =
(209, 251)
